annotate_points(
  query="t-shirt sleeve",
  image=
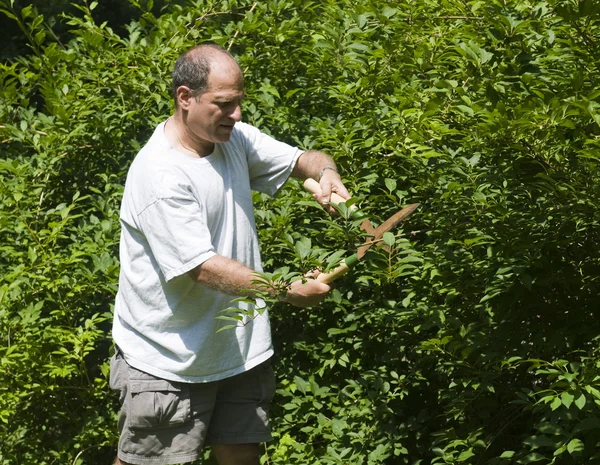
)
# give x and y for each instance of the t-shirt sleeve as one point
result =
(176, 231)
(270, 162)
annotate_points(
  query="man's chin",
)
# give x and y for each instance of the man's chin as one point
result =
(224, 133)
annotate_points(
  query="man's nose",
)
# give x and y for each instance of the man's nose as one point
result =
(236, 114)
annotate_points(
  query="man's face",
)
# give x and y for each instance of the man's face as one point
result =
(212, 113)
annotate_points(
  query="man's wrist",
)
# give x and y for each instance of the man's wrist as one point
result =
(332, 168)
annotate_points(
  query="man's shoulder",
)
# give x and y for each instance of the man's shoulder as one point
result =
(151, 165)
(157, 158)
(155, 174)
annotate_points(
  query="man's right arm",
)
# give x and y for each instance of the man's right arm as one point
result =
(233, 278)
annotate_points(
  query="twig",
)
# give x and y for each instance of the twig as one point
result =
(238, 31)
(459, 17)
(77, 456)
(54, 35)
(190, 26)
(372, 241)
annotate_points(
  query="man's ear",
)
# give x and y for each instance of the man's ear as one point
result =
(184, 97)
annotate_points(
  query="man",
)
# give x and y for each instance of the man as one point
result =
(188, 248)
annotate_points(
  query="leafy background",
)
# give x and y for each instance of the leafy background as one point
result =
(472, 340)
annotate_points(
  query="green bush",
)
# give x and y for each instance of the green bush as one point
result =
(472, 340)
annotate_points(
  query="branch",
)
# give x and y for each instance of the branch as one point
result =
(459, 17)
(238, 31)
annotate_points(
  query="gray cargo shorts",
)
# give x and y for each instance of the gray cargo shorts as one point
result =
(165, 422)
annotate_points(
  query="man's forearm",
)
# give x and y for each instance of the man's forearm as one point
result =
(312, 164)
(233, 278)
(226, 275)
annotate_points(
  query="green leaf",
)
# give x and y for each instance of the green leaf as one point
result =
(465, 455)
(390, 184)
(359, 46)
(27, 11)
(303, 247)
(593, 391)
(530, 458)
(580, 401)
(535, 442)
(301, 384)
(575, 446)
(567, 399)
(406, 301)
(549, 428)
(588, 423)
(465, 109)
(389, 12)
(389, 238)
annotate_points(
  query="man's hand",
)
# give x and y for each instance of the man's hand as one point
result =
(308, 293)
(331, 182)
(321, 167)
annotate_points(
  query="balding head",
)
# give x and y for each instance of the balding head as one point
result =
(193, 67)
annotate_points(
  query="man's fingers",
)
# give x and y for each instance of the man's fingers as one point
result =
(307, 293)
(313, 274)
(342, 191)
(326, 189)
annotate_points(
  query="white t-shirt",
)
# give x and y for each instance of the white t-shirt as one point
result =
(177, 212)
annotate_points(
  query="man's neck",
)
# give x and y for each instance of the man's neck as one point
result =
(179, 136)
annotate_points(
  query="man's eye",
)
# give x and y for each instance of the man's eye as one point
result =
(228, 104)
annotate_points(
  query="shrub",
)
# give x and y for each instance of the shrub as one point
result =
(473, 339)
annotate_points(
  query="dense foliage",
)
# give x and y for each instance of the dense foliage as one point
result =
(472, 340)
(115, 12)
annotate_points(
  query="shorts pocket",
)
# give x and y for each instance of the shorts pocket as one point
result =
(158, 403)
(267, 382)
(118, 373)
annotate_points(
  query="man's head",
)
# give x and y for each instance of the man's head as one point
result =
(208, 88)
(193, 67)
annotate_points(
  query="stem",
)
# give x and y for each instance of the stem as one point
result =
(238, 31)
(459, 17)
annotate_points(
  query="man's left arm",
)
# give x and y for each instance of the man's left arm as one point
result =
(322, 168)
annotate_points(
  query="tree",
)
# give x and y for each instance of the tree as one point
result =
(472, 340)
